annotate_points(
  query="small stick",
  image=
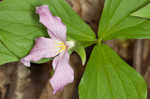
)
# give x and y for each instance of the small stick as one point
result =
(137, 55)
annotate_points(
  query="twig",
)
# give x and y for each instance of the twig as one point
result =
(137, 55)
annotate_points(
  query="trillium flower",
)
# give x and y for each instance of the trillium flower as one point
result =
(56, 47)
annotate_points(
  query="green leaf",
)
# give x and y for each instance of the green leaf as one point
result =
(5, 55)
(144, 12)
(116, 13)
(131, 28)
(19, 26)
(107, 76)
(81, 52)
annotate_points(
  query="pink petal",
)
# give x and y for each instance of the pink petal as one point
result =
(56, 28)
(63, 72)
(55, 61)
(43, 48)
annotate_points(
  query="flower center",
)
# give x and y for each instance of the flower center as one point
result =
(62, 47)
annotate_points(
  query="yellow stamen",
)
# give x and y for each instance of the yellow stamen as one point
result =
(62, 47)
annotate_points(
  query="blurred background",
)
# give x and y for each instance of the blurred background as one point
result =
(19, 82)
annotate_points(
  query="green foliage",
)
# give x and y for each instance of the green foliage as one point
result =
(107, 76)
(5, 55)
(19, 26)
(143, 12)
(116, 22)
(81, 52)
(130, 28)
